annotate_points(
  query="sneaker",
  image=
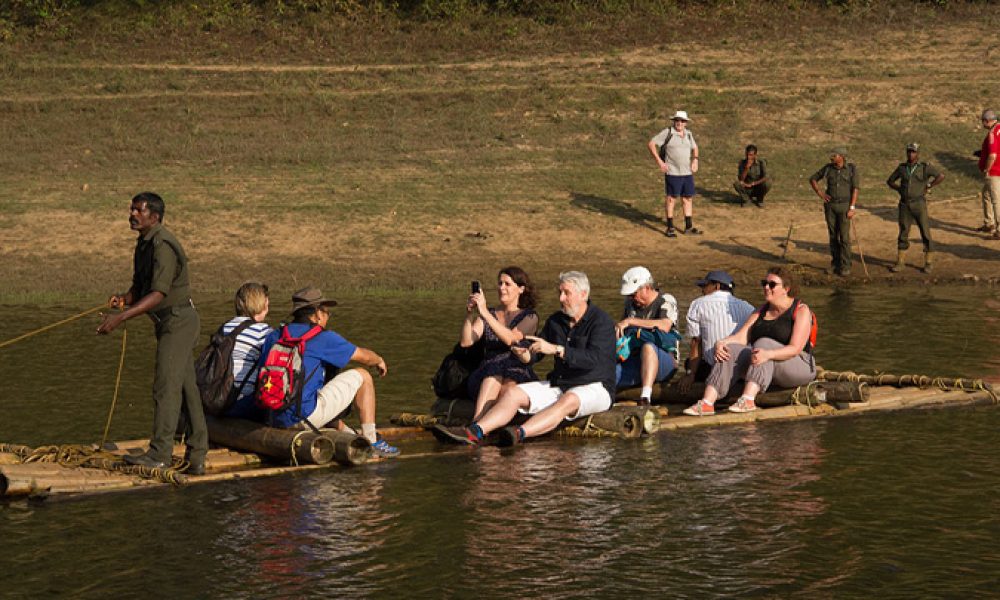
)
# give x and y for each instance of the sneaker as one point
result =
(700, 409)
(692, 231)
(985, 228)
(509, 436)
(382, 449)
(643, 402)
(454, 435)
(671, 232)
(743, 405)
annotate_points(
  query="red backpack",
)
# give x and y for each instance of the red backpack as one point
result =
(280, 381)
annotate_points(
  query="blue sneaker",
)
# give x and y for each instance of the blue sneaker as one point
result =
(382, 449)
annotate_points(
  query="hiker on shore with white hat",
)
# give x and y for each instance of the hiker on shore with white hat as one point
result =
(676, 155)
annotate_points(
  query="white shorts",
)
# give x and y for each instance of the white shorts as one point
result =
(334, 398)
(594, 398)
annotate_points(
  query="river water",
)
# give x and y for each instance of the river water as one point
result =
(890, 505)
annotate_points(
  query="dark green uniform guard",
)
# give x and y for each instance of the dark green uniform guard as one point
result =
(912, 179)
(161, 265)
(841, 185)
(161, 289)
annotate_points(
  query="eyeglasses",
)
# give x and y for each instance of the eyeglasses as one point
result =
(769, 283)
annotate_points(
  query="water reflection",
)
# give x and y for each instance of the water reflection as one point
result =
(847, 507)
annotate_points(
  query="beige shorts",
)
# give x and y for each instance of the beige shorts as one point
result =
(334, 398)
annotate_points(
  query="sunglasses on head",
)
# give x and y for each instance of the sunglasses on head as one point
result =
(769, 284)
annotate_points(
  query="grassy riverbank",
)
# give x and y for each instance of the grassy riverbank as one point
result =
(384, 151)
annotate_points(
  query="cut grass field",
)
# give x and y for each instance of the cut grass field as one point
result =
(376, 172)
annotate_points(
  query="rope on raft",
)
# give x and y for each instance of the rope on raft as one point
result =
(78, 455)
(589, 430)
(920, 381)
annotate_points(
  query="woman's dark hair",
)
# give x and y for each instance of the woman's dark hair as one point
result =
(787, 280)
(517, 274)
(750, 147)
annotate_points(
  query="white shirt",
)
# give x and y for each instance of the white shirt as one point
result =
(713, 317)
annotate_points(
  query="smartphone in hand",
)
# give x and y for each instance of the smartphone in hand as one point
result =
(476, 287)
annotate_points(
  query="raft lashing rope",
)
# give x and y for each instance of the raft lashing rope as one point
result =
(954, 384)
(79, 455)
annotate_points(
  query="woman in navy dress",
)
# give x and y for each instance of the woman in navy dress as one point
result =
(500, 328)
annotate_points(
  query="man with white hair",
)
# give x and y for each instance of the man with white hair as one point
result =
(581, 337)
(990, 167)
(676, 155)
(648, 336)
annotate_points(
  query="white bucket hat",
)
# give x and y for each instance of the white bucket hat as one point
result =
(635, 278)
(681, 114)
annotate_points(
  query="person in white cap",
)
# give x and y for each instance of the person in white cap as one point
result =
(676, 155)
(649, 322)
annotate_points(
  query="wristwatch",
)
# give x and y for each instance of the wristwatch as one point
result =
(560, 351)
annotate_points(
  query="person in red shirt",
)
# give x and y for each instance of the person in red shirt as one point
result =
(990, 167)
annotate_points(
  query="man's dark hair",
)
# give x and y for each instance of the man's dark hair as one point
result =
(303, 314)
(153, 202)
(750, 148)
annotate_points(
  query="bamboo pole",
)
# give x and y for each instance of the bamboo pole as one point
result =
(349, 448)
(304, 447)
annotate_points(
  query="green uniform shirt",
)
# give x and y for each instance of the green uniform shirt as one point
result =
(756, 172)
(913, 179)
(160, 266)
(840, 183)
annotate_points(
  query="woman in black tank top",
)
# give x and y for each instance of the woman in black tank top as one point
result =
(772, 346)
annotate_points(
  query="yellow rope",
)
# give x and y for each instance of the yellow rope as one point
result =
(118, 381)
(296, 442)
(56, 324)
(80, 456)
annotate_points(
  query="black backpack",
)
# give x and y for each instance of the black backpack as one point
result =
(452, 377)
(662, 150)
(214, 371)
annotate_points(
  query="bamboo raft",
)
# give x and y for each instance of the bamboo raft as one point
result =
(246, 450)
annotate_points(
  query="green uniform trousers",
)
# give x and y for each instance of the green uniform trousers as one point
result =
(175, 389)
(910, 212)
(839, 228)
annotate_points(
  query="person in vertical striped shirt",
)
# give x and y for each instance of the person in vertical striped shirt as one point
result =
(251, 302)
(715, 315)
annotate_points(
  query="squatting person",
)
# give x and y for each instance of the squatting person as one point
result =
(751, 178)
(160, 288)
(913, 180)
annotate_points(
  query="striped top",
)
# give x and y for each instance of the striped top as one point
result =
(246, 352)
(714, 317)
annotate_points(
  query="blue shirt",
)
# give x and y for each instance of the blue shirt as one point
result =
(325, 354)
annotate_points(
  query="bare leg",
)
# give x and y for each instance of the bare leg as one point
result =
(686, 205)
(365, 398)
(550, 418)
(650, 365)
(669, 206)
(489, 391)
(751, 389)
(504, 410)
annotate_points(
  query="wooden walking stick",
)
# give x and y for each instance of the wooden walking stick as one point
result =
(860, 251)
(788, 240)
